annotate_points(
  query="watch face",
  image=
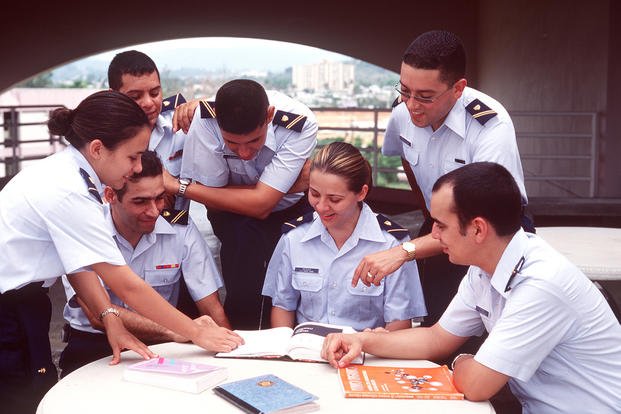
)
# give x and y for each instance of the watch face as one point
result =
(409, 247)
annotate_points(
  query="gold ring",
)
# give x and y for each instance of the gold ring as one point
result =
(369, 275)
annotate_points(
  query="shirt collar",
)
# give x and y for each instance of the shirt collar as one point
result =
(455, 118)
(367, 227)
(509, 261)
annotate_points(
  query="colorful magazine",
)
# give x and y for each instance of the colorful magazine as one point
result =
(435, 383)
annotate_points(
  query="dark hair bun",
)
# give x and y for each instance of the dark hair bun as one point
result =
(60, 121)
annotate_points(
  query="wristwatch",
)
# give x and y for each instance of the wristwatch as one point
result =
(183, 185)
(410, 250)
(107, 311)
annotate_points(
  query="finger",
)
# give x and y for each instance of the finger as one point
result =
(116, 355)
(175, 122)
(357, 274)
(346, 359)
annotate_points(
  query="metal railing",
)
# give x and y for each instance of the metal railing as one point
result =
(365, 128)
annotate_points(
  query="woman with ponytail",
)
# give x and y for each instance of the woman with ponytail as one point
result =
(309, 275)
(52, 223)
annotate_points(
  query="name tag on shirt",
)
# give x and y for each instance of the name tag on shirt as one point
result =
(460, 161)
(405, 141)
(482, 311)
(306, 270)
(230, 156)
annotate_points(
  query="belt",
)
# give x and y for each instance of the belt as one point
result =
(15, 295)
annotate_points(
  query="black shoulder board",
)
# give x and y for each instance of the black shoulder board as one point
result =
(208, 109)
(90, 184)
(176, 216)
(392, 227)
(172, 102)
(480, 111)
(396, 102)
(293, 223)
(289, 120)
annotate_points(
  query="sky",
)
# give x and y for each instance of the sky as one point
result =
(232, 53)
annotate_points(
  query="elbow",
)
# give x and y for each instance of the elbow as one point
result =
(477, 395)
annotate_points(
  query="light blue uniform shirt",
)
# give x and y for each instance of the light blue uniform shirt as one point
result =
(50, 224)
(168, 145)
(553, 333)
(309, 275)
(460, 140)
(160, 258)
(208, 160)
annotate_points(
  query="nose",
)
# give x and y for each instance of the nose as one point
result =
(147, 103)
(137, 169)
(412, 104)
(244, 152)
(435, 231)
(152, 209)
(320, 206)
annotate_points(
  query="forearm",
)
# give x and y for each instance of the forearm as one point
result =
(211, 306)
(146, 301)
(281, 317)
(90, 293)
(144, 328)
(245, 201)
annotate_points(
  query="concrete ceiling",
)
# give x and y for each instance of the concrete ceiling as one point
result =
(38, 37)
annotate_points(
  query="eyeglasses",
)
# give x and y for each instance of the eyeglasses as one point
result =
(405, 95)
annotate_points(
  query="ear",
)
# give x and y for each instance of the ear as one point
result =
(94, 149)
(460, 85)
(363, 193)
(480, 228)
(271, 110)
(109, 194)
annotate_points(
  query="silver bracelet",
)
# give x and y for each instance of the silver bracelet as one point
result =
(107, 311)
(455, 360)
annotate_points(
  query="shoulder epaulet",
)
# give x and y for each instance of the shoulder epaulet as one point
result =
(176, 216)
(396, 102)
(480, 111)
(391, 227)
(172, 102)
(289, 120)
(293, 223)
(208, 109)
(90, 184)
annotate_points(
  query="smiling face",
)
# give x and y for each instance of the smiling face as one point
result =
(113, 167)
(146, 91)
(337, 206)
(136, 212)
(426, 83)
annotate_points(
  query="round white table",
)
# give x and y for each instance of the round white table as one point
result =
(595, 250)
(99, 388)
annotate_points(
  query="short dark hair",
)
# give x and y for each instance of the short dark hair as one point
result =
(346, 161)
(130, 62)
(151, 167)
(438, 49)
(109, 116)
(488, 190)
(241, 106)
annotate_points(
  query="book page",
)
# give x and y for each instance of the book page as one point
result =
(307, 339)
(264, 342)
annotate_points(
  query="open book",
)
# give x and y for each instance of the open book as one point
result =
(303, 343)
(435, 383)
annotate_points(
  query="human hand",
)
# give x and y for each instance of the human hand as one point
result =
(217, 339)
(380, 329)
(121, 339)
(374, 267)
(340, 349)
(301, 183)
(171, 183)
(206, 321)
(182, 118)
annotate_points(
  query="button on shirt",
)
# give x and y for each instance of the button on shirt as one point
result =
(309, 275)
(207, 160)
(553, 333)
(50, 224)
(161, 258)
(168, 145)
(460, 140)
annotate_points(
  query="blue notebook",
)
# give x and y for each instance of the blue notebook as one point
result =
(267, 394)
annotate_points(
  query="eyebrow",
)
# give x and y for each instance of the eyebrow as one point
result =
(418, 91)
(139, 198)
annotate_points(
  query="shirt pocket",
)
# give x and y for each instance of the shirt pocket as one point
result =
(163, 281)
(367, 303)
(453, 162)
(311, 302)
(411, 156)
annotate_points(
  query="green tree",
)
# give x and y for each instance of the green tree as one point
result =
(43, 80)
